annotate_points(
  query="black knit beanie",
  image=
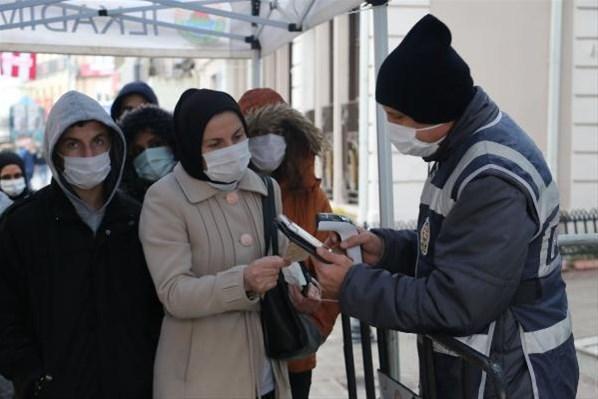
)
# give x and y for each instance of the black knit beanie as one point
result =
(424, 77)
(192, 113)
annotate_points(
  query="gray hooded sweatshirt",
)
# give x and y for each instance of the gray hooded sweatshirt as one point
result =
(4, 202)
(71, 108)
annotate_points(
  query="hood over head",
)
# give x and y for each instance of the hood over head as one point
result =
(304, 141)
(288, 122)
(10, 158)
(192, 113)
(140, 88)
(258, 98)
(74, 107)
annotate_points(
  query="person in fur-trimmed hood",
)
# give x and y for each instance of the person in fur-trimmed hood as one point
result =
(284, 144)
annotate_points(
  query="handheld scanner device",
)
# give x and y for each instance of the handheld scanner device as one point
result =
(299, 236)
(344, 227)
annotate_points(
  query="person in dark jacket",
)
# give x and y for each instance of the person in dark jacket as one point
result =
(484, 264)
(131, 96)
(13, 181)
(79, 317)
(6, 390)
(151, 148)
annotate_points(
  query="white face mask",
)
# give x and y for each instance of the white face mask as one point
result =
(154, 163)
(267, 151)
(13, 187)
(403, 138)
(227, 165)
(87, 172)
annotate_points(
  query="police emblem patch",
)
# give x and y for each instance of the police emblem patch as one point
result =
(424, 237)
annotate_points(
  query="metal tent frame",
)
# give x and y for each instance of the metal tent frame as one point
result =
(259, 21)
(252, 26)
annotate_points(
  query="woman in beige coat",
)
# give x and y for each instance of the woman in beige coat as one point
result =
(202, 232)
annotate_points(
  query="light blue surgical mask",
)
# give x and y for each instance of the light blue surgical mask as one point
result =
(154, 163)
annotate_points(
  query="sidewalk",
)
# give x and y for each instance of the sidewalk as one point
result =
(582, 289)
(329, 380)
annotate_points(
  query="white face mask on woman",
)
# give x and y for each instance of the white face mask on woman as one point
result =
(228, 165)
(405, 140)
(87, 172)
(267, 151)
(13, 187)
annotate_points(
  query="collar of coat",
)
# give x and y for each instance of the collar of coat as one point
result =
(198, 190)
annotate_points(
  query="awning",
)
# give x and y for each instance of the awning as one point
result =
(160, 28)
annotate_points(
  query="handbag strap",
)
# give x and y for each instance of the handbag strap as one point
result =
(269, 210)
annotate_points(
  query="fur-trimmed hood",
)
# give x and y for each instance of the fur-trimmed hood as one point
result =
(281, 118)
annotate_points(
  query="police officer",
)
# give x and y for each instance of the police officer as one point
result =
(484, 264)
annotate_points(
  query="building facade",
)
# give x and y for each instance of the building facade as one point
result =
(537, 59)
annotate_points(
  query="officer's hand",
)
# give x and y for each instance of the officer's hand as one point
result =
(262, 274)
(372, 246)
(332, 273)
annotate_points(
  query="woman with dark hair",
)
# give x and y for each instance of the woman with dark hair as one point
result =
(151, 148)
(283, 144)
(13, 181)
(202, 233)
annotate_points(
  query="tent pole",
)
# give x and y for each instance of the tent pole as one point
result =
(256, 73)
(384, 149)
(554, 85)
(364, 115)
(385, 183)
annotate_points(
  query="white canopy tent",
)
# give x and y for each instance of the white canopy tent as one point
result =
(192, 28)
(187, 28)
(161, 28)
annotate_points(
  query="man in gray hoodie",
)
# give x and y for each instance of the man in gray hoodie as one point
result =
(78, 313)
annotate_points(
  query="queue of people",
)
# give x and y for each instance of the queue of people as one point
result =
(141, 269)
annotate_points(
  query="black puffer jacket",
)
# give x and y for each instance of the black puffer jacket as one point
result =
(79, 307)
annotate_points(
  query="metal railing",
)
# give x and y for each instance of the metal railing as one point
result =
(392, 388)
(579, 233)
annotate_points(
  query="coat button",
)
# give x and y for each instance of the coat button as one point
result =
(246, 240)
(232, 198)
(108, 232)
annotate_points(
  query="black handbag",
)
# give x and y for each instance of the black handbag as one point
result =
(287, 333)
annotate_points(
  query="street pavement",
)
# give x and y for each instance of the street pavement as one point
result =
(329, 380)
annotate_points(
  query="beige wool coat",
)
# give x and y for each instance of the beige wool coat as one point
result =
(197, 241)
